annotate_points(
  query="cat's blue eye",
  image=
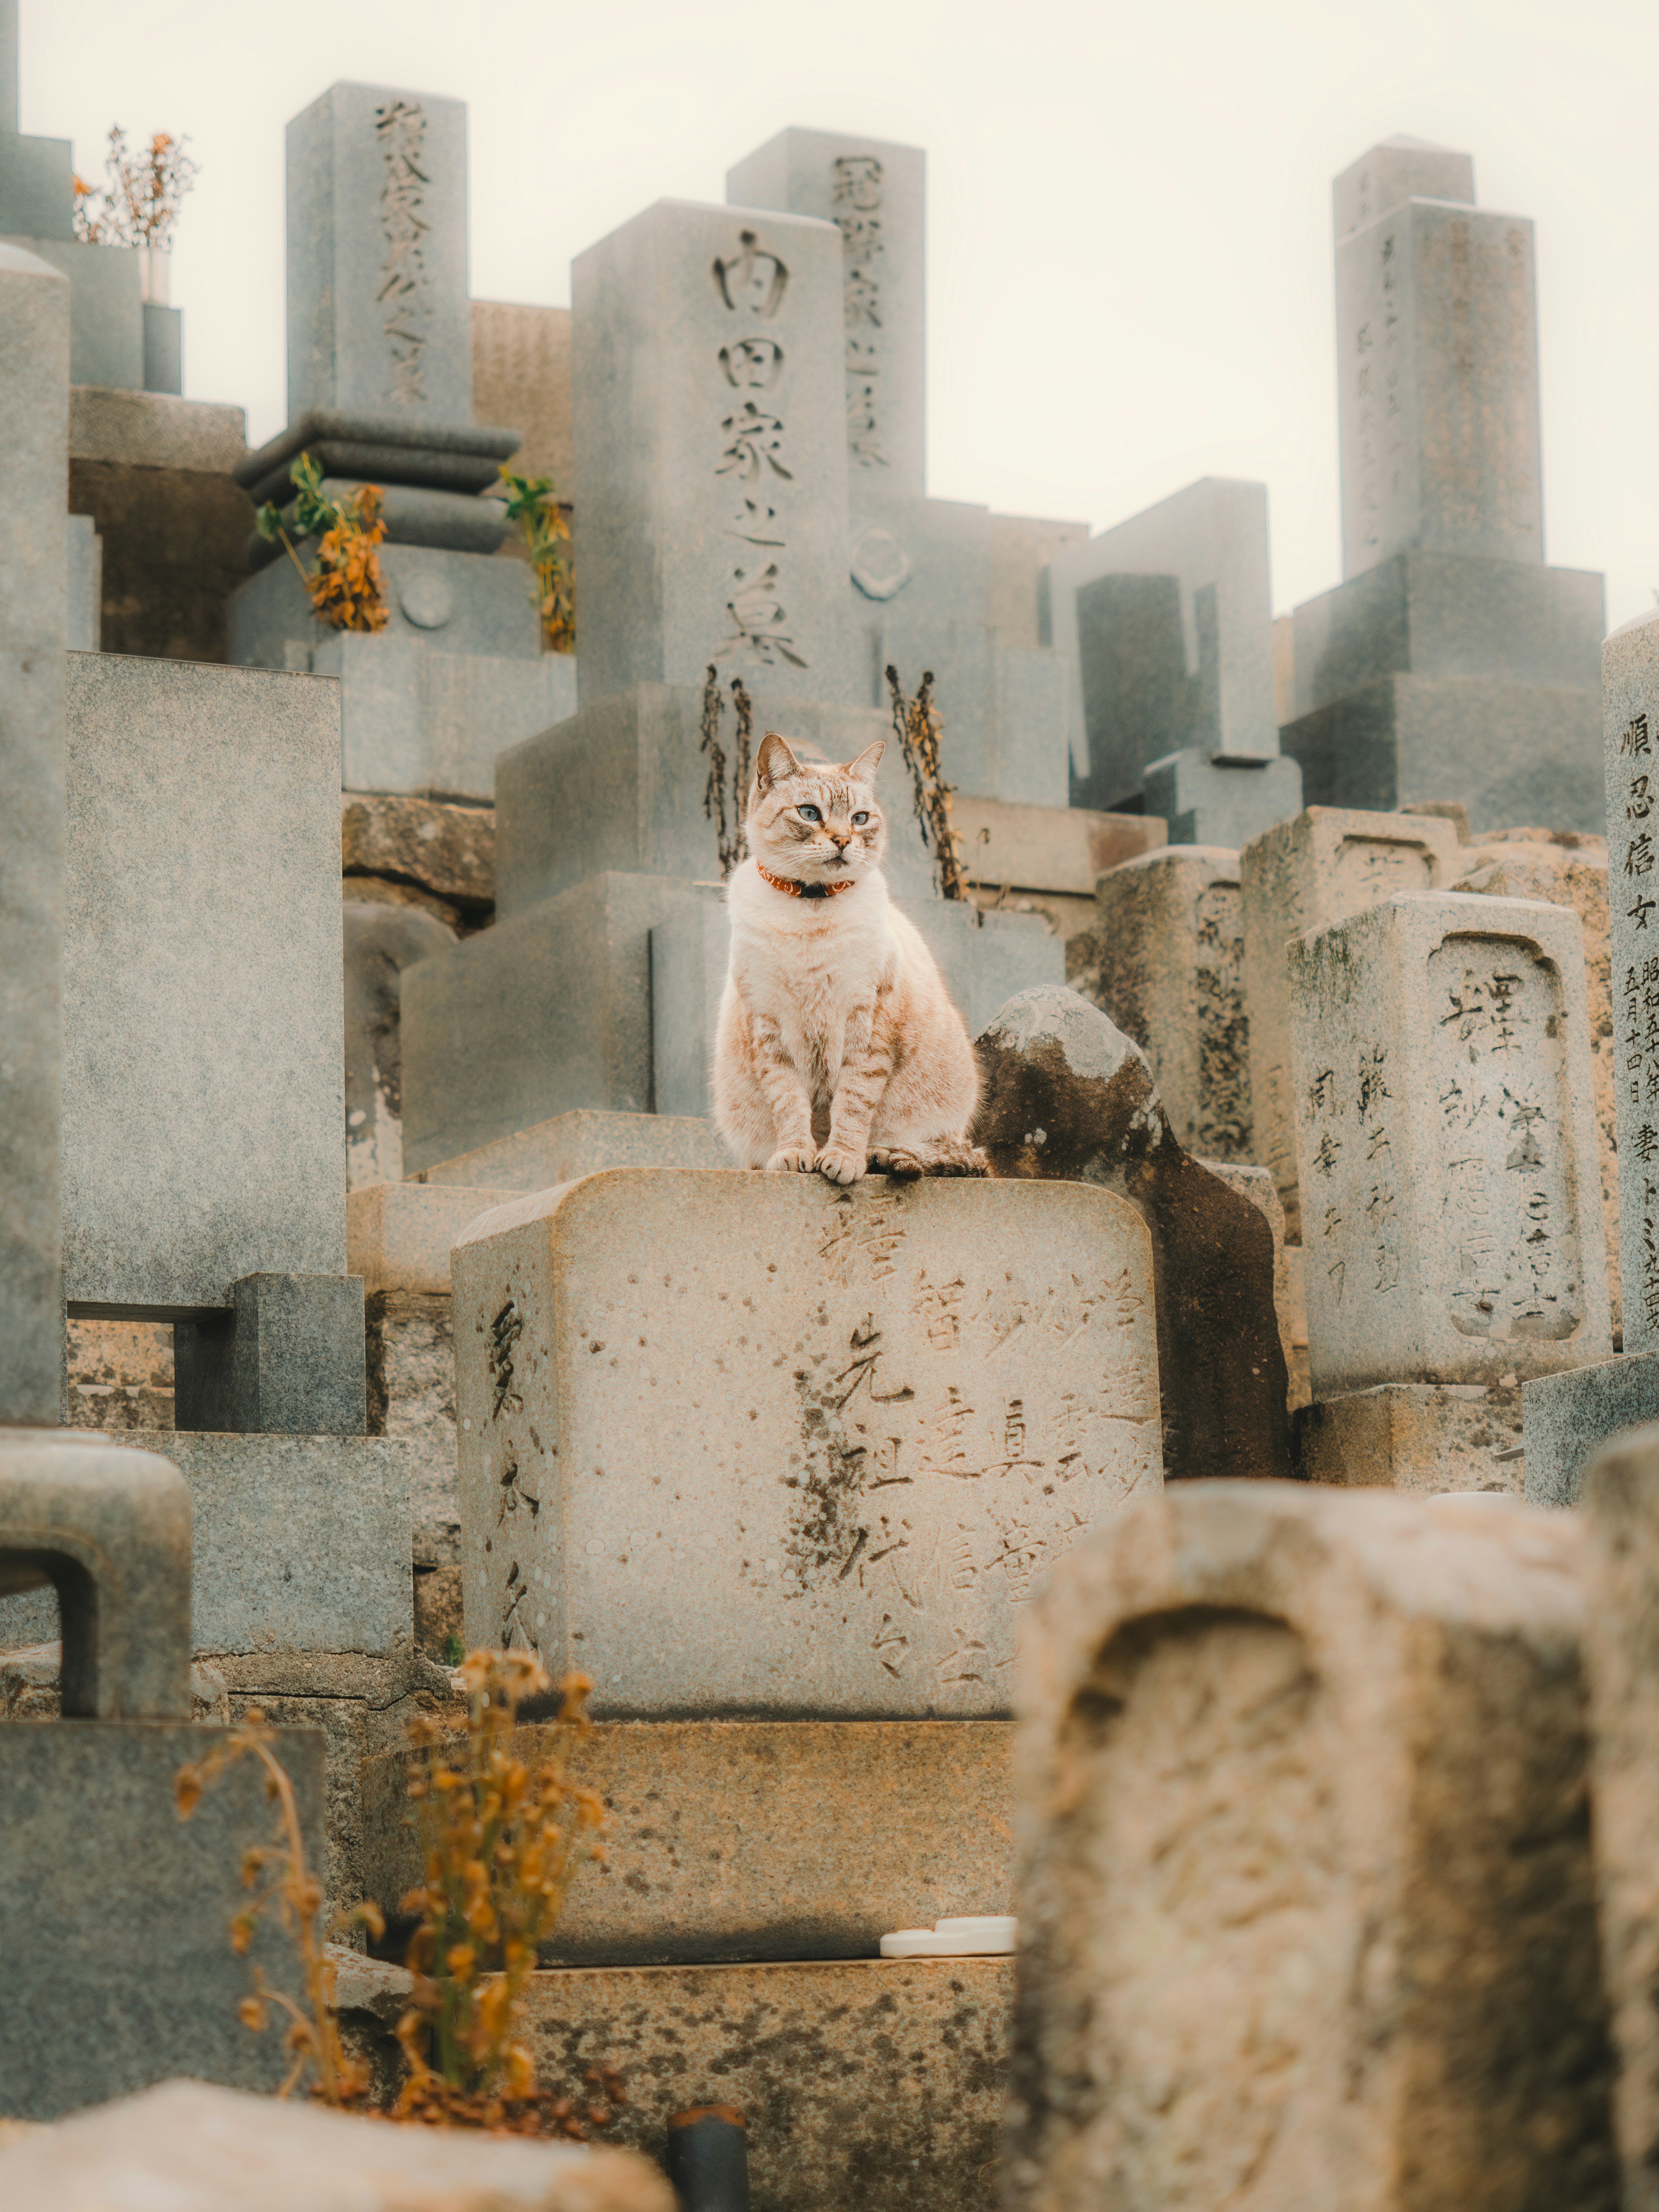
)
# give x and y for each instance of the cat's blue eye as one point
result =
(859, 821)
(809, 814)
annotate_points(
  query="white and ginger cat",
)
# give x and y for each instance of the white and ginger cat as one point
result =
(838, 1046)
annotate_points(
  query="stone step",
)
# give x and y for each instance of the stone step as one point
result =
(758, 1839)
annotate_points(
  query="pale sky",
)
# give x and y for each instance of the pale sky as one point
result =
(1129, 231)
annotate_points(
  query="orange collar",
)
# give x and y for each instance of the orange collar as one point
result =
(805, 890)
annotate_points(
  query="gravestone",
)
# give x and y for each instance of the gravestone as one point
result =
(1447, 1160)
(1288, 1766)
(1171, 977)
(34, 345)
(1451, 665)
(1325, 865)
(1568, 1420)
(850, 1528)
(1164, 624)
(710, 470)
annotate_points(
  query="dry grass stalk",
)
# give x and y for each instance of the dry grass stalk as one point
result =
(726, 812)
(346, 588)
(294, 1893)
(919, 727)
(142, 198)
(501, 1842)
(532, 503)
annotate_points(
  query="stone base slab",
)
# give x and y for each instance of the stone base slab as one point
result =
(579, 1144)
(758, 1839)
(398, 1234)
(867, 2082)
(1413, 1436)
(1567, 1419)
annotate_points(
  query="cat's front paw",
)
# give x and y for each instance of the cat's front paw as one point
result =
(893, 1160)
(793, 1159)
(837, 1164)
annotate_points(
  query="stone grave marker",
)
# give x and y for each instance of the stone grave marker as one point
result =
(1446, 1144)
(1323, 867)
(1289, 1768)
(812, 1461)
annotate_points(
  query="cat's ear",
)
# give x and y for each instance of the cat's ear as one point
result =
(775, 761)
(863, 769)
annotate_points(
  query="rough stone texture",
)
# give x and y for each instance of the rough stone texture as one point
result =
(107, 317)
(1504, 752)
(521, 374)
(1065, 1096)
(1296, 1276)
(1306, 1900)
(462, 604)
(151, 430)
(363, 1708)
(1256, 1185)
(449, 850)
(1326, 865)
(110, 1531)
(1630, 680)
(185, 2142)
(1450, 615)
(708, 409)
(1048, 860)
(85, 565)
(398, 1235)
(875, 193)
(1416, 1436)
(412, 1396)
(440, 1605)
(620, 786)
(1446, 1144)
(1436, 323)
(1204, 801)
(202, 1090)
(31, 1685)
(947, 1382)
(381, 940)
(1175, 646)
(378, 319)
(34, 345)
(575, 1145)
(121, 1374)
(1171, 977)
(1620, 1522)
(759, 1840)
(1569, 1417)
(547, 1013)
(287, 1359)
(1573, 872)
(301, 1543)
(174, 549)
(114, 1918)
(863, 2081)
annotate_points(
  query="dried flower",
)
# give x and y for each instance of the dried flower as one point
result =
(532, 503)
(346, 588)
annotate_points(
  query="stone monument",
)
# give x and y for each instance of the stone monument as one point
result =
(1452, 664)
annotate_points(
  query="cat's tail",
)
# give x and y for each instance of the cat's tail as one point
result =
(934, 1156)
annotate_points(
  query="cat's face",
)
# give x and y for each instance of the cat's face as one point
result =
(813, 823)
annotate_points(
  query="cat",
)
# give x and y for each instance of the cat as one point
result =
(838, 1047)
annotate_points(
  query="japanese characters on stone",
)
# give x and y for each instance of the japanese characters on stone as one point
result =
(856, 193)
(1633, 898)
(752, 284)
(406, 287)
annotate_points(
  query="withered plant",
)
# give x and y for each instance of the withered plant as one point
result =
(501, 1840)
(139, 204)
(283, 1885)
(346, 588)
(532, 503)
(726, 810)
(919, 727)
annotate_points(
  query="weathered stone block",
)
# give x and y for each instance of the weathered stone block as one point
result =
(398, 1235)
(574, 1145)
(1505, 752)
(758, 1839)
(115, 1919)
(521, 374)
(1323, 867)
(467, 604)
(201, 1094)
(1568, 1417)
(547, 1013)
(381, 940)
(174, 544)
(448, 850)
(287, 1359)
(120, 1376)
(1446, 1144)
(1217, 800)
(1399, 168)
(710, 438)
(301, 1543)
(154, 430)
(861, 2080)
(1629, 683)
(1171, 977)
(106, 335)
(1302, 1822)
(1429, 1437)
(976, 1381)
(1620, 1524)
